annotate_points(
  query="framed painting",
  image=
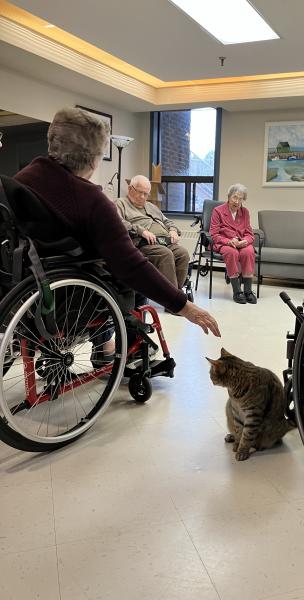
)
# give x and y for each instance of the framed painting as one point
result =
(284, 154)
(108, 119)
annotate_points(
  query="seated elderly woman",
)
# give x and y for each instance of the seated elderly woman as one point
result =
(232, 235)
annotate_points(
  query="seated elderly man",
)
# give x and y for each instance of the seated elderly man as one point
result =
(154, 234)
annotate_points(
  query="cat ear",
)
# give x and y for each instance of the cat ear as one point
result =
(225, 353)
(211, 360)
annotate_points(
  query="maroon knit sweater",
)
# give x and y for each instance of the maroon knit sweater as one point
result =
(95, 223)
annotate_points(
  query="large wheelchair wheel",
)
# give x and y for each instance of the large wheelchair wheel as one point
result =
(298, 381)
(50, 392)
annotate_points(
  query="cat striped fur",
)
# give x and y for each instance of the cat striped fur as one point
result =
(255, 406)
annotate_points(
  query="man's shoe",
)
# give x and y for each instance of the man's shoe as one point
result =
(100, 359)
(239, 297)
(250, 298)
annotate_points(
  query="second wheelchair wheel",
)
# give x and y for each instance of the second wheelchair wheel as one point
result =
(52, 393)
(140, 388)
(298, 381)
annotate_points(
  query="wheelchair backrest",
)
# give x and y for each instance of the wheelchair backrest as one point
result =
(23, 216)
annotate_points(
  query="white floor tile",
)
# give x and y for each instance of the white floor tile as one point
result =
(145, 564)
(151, 503)
(30, 575)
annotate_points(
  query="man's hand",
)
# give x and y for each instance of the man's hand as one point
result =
(173, 236)
(149, 236)
(243, 244)
(200, 317)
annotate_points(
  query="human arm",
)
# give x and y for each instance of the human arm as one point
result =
(215, 230)
(248, 236)
(132, 228)
(170, 225)
(200, 317)
(112, 243)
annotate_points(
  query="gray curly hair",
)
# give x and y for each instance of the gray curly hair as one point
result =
(237, 188)
(76, 138)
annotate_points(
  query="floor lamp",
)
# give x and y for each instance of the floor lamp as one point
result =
(120, 141)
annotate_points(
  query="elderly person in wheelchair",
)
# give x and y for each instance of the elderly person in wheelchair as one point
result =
(60, 304)
(155, 235)
(232, 235)
(77, 141)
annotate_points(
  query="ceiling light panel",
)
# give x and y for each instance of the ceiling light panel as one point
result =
(229, 21)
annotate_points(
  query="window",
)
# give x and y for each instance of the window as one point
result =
(186, 143)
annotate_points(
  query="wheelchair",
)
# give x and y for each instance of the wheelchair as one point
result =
(294, 374)
(57, 310)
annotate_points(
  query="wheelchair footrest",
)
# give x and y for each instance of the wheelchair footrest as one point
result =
(156, 368)
(163, 367)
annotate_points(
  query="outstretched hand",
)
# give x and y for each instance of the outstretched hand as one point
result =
(200, 317)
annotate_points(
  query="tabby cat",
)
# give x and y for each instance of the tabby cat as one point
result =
(255, 407)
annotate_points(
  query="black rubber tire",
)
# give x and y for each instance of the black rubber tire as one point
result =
(204, 271)
(298, 381)
(140, 388)
(9, 435)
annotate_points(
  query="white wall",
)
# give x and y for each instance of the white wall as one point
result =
(242, 145)
(29, 97)
(242, 160)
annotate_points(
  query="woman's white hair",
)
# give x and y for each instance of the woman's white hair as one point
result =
(76, 138)
(237, 188)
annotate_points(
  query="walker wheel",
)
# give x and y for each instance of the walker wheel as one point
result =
(204, 271)
(140, 388)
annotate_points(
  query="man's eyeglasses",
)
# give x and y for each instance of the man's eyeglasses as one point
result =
(140, 193)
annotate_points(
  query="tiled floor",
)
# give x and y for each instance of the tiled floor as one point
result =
(150, 504)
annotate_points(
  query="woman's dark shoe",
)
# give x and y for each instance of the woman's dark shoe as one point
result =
(250, 297)
(239, 297)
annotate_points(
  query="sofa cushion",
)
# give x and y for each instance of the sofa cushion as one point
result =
(292, 256)
(282, 229)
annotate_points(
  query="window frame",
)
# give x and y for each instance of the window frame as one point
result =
(188, 180)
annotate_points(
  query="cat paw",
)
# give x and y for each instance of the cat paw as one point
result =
(229, 438)
(242, 455)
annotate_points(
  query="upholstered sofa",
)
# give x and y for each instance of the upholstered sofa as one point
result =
(282, 254)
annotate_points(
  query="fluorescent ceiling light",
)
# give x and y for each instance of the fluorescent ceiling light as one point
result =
(230, 21)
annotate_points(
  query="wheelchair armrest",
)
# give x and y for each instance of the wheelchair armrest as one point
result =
(67, 246)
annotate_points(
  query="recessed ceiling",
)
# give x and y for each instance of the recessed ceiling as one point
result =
(141, 55)
(157, 38)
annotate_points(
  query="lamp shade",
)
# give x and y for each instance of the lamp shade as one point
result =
(121, 141)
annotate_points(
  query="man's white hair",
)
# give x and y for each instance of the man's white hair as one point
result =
(140, 180)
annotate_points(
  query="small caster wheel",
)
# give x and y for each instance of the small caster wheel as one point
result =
(140, 388)
(227, 279)
(204, 271)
